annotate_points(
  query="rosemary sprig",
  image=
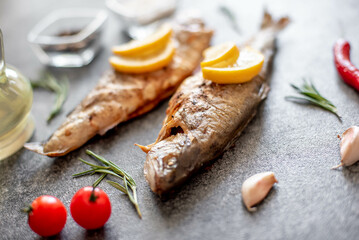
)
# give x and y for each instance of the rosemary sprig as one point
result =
(112, 165)
(231, 17)
(311, 95)
(49, 82)
(110, 168)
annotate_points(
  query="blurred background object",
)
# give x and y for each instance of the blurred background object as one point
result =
(68, 37)
(141, 17)
(16, 122)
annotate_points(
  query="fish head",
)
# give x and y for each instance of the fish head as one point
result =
(170, 162)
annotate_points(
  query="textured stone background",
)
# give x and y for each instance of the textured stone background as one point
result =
(299, 143)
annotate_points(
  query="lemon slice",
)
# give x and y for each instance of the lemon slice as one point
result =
(222, 55)
(144, 64)
(142, 47)
(248, 65)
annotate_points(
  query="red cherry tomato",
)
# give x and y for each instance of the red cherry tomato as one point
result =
(47, 216)
(90, 211)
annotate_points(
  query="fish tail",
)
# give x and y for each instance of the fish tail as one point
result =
(269, 22)
(38, 147)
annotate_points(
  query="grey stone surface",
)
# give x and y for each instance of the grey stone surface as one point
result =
(297, 142)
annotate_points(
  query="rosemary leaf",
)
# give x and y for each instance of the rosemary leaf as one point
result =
(231, 17)
(108, 172)
(61, 95)
(60, 88)
(101, 159)
(84, 173)
(132, 199)
(97, 182)
(128, 193)
(295, 87)
(117, 185)
(135, 198)
(93, 165)
(312, 96)
(138, 208)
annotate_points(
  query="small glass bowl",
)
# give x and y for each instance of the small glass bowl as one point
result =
(68, 37)
(141, 17)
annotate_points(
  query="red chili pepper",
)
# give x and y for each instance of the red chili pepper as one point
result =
(348, 72)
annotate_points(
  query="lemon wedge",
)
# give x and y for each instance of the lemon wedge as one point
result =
(222, 55)
(248, 65)
(146, 46)
(144, 64)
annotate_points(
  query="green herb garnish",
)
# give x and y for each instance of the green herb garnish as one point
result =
(311, 95)
(110, 168)
(231, 17)
(49, 82)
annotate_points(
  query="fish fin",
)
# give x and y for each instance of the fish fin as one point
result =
(145, 149)
(34, 146)
(263, 92)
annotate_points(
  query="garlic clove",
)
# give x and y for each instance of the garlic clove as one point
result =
(349, 147)
(256, 188)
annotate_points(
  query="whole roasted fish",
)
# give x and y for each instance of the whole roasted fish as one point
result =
(119, 97)
(204, 118)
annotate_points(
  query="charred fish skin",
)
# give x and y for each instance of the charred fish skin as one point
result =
(119, 97)
(204, 118)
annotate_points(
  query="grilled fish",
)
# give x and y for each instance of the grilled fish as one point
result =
(204, 118)
(119, 97)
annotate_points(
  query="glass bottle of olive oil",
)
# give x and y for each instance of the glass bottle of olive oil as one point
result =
(16, 122)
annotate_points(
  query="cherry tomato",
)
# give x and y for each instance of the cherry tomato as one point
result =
(47, 215)
(90, 208)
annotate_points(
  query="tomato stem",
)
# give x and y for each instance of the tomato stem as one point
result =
(93, 197)
(27, 209)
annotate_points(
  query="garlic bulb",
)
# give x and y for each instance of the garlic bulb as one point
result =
(349, 147)
(256, 188)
